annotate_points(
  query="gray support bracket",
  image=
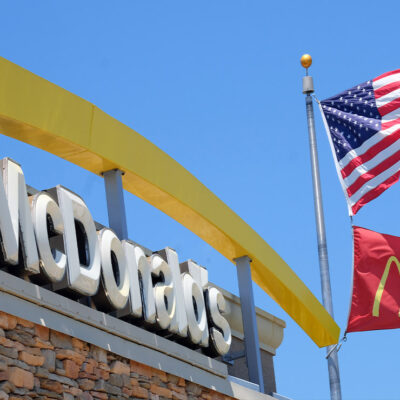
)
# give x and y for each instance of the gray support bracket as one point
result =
(252, 345)
(231, 357)
(115, 202)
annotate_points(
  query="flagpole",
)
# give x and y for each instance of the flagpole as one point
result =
(333, 362)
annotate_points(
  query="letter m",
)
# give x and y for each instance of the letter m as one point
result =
(15, 218)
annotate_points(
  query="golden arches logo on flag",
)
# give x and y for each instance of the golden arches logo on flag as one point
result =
(382, 283)
(375, 301)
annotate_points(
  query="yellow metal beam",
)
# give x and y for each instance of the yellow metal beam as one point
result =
(46, 116)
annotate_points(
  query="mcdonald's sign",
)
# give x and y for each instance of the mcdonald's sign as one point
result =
(38, 112)
(375, 300)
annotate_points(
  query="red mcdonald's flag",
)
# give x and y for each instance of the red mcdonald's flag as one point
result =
(375, 301)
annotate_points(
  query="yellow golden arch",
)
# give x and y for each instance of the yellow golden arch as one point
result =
(382, 283)
(46, 116)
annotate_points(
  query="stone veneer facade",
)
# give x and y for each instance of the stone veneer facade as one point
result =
(40, 363)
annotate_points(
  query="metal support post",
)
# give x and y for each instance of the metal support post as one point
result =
(333, 362)
(115, 202)
(252, 345)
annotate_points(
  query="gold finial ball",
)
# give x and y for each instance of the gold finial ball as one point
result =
(306, 60)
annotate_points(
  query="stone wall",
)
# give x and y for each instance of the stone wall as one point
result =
(40, 363)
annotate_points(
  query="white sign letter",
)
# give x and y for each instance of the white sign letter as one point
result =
(179, 321)
(135, 298)
(195, 311)
(18, 206)
(144, 268)
(163, 291)
(82, 278)
(114, 288)
(221, 342)
(43, 206)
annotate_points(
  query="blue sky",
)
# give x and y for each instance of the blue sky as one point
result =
(217, 85)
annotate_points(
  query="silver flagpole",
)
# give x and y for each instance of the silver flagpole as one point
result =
(333, 362)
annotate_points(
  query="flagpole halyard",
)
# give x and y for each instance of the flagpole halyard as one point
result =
(333, 362)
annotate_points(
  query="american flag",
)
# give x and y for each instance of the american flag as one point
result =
(363, 126)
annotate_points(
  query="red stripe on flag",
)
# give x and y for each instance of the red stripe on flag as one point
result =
(389, 107)
(386, 89)
(370, 153)
(374, 193)
(373, 172)
(396, 71)
(388, 124)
